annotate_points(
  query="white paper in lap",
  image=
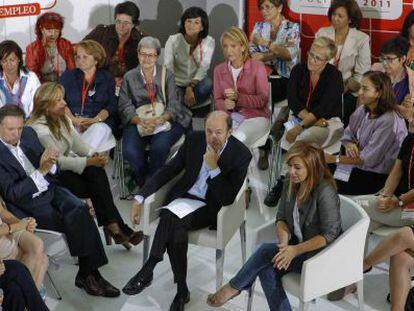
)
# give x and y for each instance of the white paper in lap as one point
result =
(182, 207)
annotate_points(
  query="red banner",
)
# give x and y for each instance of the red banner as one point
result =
(19, 10)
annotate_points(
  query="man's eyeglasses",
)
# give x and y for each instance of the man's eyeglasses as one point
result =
(387, 59)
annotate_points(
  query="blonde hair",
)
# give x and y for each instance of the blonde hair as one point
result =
(93, 48)
(313, 157)
(237, 35)
(45, 98)
(327, 44)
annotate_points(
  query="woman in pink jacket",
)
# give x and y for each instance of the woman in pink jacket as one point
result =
(241, 88)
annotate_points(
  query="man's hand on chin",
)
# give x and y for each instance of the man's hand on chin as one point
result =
(211, 158)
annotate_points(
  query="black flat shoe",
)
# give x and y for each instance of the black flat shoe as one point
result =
(137, 284)
(179, 302)
(275, 193)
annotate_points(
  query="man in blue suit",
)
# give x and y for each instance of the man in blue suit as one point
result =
(29, 189)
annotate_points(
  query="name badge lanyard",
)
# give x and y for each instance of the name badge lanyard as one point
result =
(150, 86)
(20, 93)
(199, 44)
(85, 90)
(311, 89)
(239, 77)
(56, 69)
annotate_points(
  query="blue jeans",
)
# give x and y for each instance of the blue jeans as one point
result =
(133, 146)
(202, 91)
(260, 264)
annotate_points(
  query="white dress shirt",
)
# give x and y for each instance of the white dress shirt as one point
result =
(199, 189)
(41, 183)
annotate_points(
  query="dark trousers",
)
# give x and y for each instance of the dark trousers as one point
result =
(133, 146)
(68, 214)
(93, 183)
(362, 182)
(20, 292)
(172, 236)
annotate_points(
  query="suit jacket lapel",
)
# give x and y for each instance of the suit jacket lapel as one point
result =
(197, 160)
(29, 154)
(10, 159)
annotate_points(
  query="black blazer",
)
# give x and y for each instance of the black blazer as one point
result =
(222, 189)
(16, 187)
(319, 215)
(326, 99)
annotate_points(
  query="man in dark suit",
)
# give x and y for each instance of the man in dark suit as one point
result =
(29, 189)
(215, 166)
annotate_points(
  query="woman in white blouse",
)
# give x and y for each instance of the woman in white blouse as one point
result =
(353, 58)
(188, 55)
(17, 84)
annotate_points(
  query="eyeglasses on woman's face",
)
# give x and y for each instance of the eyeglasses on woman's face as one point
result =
(316, 58)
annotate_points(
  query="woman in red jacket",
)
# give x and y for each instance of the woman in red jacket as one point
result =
(241, 88)
(50, 55)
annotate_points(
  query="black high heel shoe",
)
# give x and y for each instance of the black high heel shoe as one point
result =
(119, 238)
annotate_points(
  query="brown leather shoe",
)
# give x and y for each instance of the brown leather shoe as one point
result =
(136, 237)
(89, 284)
(108, 289)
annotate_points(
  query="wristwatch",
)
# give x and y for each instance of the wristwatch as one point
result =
(98, 118)
(400, 202)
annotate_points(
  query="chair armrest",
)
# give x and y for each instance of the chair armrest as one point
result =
(230, 217)
(51, 232)
(328, 271)
(264, 233)
(153, 203)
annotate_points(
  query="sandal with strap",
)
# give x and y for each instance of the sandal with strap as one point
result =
(217, 299)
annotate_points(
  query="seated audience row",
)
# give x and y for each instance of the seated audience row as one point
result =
(30, 189)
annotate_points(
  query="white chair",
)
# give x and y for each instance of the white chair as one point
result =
(229, 219)
(118, 169)
(327, 271)
(55, 246)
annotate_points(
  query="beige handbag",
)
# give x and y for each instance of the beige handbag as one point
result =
(149, 111)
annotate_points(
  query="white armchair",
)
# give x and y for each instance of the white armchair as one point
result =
(229, 219)
(55, 246)
(327, 271)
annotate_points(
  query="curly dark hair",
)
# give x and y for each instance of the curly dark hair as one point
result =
(352, 9)
(194, 12)
(128, 8)
(398, 46)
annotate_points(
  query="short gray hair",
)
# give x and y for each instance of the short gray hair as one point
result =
(150, 43)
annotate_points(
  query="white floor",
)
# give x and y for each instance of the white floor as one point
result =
(201, 274)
